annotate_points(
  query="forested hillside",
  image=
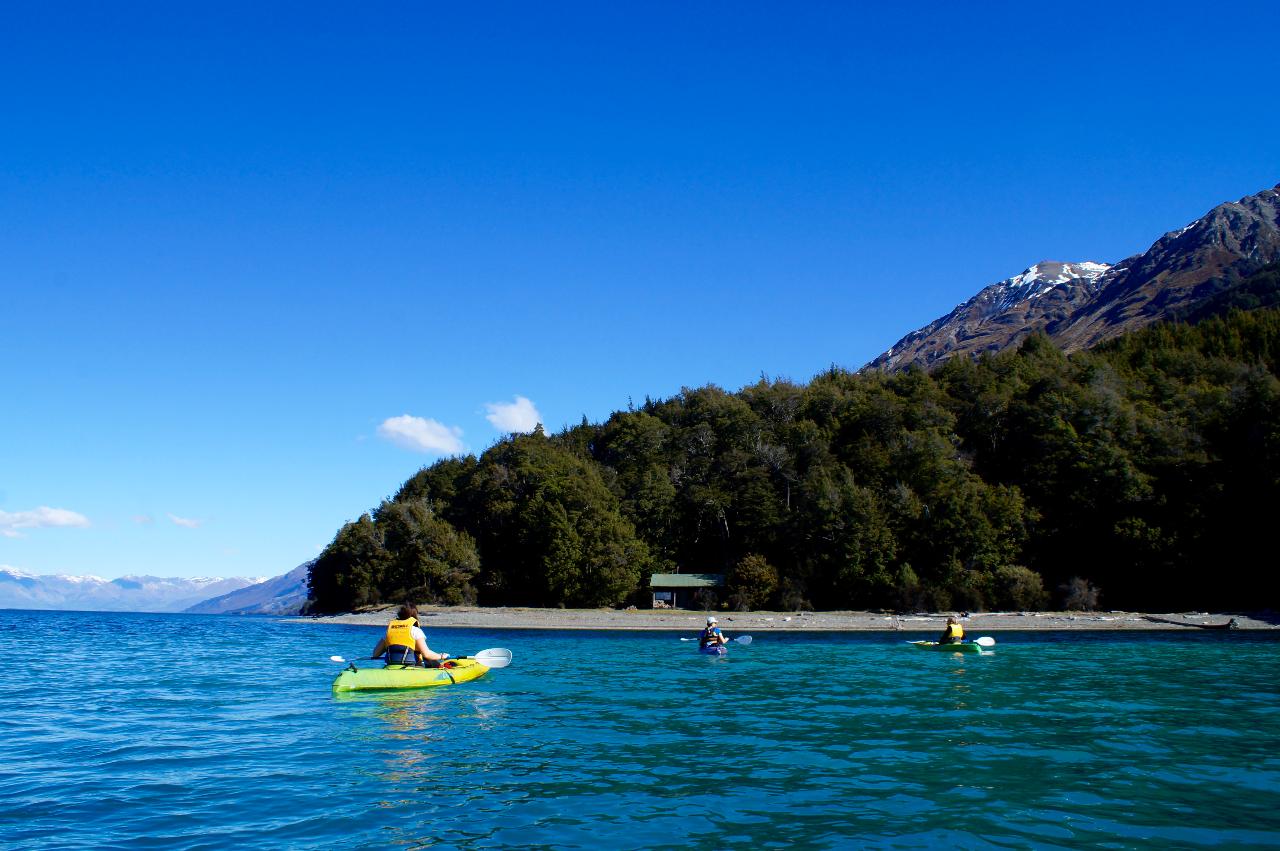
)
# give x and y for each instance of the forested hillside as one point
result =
(1141, 474)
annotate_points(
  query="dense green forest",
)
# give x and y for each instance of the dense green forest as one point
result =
(1141, 474)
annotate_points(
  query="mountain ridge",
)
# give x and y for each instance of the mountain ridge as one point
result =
(20, 589)
(1079, 305)
(280, 595)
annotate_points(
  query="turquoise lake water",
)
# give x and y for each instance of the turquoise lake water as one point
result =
(170, 731)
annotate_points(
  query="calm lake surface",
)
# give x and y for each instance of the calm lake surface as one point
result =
(180, 731)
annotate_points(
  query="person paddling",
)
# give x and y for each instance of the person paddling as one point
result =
(711, 636)
(954, 632)
(405, 643)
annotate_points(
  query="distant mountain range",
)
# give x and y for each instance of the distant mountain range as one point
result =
(1079, 305)
(283, 595)
(22, 590)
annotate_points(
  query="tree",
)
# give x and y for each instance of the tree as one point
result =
(752, 583)
(429, 560)
(1079, 595)
(550, 531)
(349, 572)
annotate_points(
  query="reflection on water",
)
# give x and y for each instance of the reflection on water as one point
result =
(422, 713)
(959, 689)
(423, 739)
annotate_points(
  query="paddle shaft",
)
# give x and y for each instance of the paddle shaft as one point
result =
(492, 658)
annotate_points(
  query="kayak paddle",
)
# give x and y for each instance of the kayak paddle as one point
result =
(494, 657)
(984, 641)
(741, 639)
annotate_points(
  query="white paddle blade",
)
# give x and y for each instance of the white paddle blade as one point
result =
(336, 659)
(985, 641)
(495, 657)
(742, 639)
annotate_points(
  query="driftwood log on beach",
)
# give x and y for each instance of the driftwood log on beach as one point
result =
(1231, 624)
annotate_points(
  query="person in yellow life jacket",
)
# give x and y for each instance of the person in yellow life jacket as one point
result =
(953, 634)
(405, 644)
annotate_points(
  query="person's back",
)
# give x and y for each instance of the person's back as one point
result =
(710, 635)
(405, 644)
(400, 642)
(954, 632)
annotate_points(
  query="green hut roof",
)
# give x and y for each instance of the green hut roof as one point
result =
(686, 580)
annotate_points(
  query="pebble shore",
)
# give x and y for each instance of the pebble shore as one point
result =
(676, 619)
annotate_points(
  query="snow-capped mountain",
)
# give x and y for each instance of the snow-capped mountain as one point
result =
(1183, 268)
(22, 590)
(1040, 280)
(1082, 304)
(999, 315)
(283, 595)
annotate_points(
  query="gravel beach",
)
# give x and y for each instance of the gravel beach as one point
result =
(675, 619)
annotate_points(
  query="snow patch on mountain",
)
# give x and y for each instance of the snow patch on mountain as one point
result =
(1041, 279)
(21, 589)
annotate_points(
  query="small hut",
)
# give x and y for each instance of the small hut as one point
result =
(680, 590)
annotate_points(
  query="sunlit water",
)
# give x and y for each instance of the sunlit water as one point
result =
(170, 731)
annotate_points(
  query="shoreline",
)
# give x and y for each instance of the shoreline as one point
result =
(520, 617)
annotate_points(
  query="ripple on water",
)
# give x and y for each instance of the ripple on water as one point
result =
(635, 741)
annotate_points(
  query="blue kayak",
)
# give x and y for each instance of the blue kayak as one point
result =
(714, 650)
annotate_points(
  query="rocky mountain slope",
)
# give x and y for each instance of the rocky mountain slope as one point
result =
(22, 590)
(1082, 304)
(283, 595)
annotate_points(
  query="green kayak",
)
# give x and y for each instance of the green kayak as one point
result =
(952, 647)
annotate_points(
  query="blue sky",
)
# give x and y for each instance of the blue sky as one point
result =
(260, 262)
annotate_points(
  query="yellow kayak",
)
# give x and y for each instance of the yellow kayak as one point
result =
(401, 676)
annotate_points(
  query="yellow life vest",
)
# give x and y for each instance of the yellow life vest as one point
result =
(400, 634)
(955, 631)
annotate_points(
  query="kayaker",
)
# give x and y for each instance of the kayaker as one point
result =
(405, 643)
(954, 632)
(710, 636)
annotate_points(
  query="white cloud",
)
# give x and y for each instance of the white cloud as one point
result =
(185, 522)
(422, 435)
(515, 417)
(42, 517)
